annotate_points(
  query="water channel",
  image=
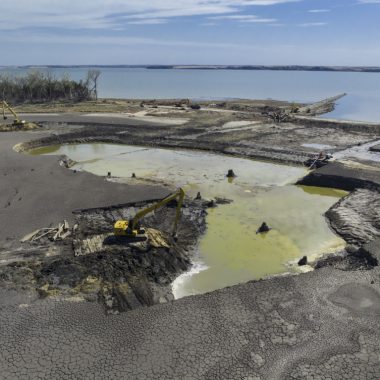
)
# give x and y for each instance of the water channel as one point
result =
(230, 252)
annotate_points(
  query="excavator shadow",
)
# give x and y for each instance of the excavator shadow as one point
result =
(123, 240)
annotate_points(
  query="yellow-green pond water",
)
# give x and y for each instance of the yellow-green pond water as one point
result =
(230, 252)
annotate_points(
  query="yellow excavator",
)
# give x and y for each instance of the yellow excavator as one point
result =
(17, 122)
(132, 229)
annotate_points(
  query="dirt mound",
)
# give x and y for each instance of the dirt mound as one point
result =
(15, 128)
(357, 217)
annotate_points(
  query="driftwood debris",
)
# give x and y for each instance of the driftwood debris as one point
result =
(283, 115)
(61, 232)
(280, 116)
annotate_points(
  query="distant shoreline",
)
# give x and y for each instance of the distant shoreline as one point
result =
(367, 69)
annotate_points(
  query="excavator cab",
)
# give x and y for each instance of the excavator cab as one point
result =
(121, 228)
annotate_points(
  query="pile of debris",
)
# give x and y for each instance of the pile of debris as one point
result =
(61, 232)
(22, 127)
(321, 160)
(280, 116)
(66, 162)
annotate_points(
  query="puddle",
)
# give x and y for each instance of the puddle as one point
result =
(230, 252)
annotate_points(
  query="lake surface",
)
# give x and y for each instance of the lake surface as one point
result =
(230, 252)
(361, 103)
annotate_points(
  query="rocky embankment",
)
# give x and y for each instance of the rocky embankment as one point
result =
(356, 217)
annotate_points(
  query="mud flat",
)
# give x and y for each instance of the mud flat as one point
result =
(41, 193)
(241, 128)
(230, 251)
(322, 324)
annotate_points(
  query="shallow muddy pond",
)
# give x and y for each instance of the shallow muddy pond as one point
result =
(230, 252)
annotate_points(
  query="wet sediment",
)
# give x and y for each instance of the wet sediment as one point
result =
(121, 276)
(236, 332)
(218, 141)
(262, 139)
(356, 217)
(159, 138)
(341, 176)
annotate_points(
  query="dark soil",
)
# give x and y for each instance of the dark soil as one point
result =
(144, 276)
(122, 276)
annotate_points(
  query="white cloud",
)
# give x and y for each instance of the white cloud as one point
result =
(262, 20)
(42, 39)
(244, 18)
(149, 21)
(311, 24)
(111, 13)
(319, 10)
(369, 1)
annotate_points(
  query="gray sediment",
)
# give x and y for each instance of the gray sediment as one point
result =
(320, 324)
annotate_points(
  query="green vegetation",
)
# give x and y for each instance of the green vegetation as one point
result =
(37, 87)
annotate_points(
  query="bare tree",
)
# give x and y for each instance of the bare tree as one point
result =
(92, 80)
(37, 86)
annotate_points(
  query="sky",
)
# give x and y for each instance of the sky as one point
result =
(232, 32)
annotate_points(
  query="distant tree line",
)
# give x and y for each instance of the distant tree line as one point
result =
(37, 86)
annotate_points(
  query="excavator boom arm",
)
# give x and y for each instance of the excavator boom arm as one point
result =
(178, 211)
(180, 194)
(6, 105)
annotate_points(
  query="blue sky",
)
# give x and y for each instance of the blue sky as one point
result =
(273, 32)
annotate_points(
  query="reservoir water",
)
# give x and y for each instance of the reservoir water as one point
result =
(230, 252)
(361, 103)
